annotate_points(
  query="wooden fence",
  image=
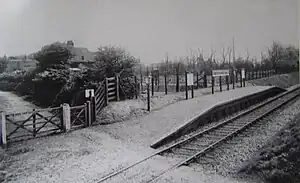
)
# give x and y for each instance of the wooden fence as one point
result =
(41, 122)
(32, 124)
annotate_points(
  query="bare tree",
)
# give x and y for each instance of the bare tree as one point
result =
(229, 51)
(224, 55)
(247, 55)
(274, 54)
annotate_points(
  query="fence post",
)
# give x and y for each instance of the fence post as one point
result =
(158, 81)
(220, 81)
(212, 84)
(166, 87)
(94, 110)
(233, 79)
(186, 86)
(34, 122)
(93, 107)
(177, 79)
(3, 130)
(227, 82)
(66, 117)
(192, 91)
(241, 79)
(117, 87)
(88, 111)
(106, 90)
(197, 80)
(148, 96)
(152, 86)
(205, 80)
(260, 74)
(136, 87)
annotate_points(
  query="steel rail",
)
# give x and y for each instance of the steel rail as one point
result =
(211, 146)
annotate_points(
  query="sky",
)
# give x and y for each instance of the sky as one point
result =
(149, 29)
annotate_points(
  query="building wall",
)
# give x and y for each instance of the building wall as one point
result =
(21, 64)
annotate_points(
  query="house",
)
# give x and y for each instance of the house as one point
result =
(82, 57)
(80, 54)
(22, 63)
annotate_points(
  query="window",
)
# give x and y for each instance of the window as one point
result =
(82, 57)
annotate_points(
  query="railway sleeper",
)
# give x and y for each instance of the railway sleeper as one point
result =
(203, 141)
(240, 122)
(183, 154)
(224, 130)
(183, 151)
(195, 146)
(205, 160)
(191, 148)
(213, 136)
(233, 127)
(220, 133)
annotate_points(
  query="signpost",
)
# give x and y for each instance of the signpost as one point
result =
(218, 73)
(233, 79)
(89, 93)
(243, 77)
(224, 72)
(190, 79)
(189, 83)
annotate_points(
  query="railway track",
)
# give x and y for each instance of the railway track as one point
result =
(201, 142)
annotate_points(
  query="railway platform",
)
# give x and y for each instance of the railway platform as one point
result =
(153, 128)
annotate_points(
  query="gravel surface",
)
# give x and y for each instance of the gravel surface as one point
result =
(88, 154)
(229, 157)
(135, 108)
(150, 128)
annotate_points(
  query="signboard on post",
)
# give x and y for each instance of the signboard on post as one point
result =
(223, 72)
(190, 79)
(87, 93)
(148, 80)
(243, 73)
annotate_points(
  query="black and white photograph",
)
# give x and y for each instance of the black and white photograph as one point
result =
(149, 91)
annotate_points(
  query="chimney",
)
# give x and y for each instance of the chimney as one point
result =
(70, 43)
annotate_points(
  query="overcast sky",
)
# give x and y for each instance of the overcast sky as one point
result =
(148, 28)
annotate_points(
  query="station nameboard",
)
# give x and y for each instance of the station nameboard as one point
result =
(224, 72)
(190, 79)
(243, 73)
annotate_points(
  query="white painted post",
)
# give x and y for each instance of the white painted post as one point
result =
(66, 117)
(3, 130)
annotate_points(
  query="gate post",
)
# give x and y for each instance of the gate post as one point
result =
(3, 140)
(117, 87)
(88, 113)
(106, 91)
(93, 107)
(66, 117)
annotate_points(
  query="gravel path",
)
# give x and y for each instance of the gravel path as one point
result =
(229, 157)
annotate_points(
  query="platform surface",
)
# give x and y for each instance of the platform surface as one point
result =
(150, 128)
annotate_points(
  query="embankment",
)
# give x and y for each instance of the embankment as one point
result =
(282, 81)
(278, 161)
